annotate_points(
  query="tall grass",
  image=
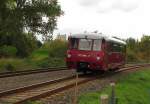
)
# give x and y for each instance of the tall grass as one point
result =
(16, 63)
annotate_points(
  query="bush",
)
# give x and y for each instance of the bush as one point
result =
(51, 62)
(25, 43)
(56, 62)
(9, 67)
(8, 51)
(43, 63)
(58, 49)
(131, 58)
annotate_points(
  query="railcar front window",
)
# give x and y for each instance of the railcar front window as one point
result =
(85, 44)
(97, 45)
(73, 43)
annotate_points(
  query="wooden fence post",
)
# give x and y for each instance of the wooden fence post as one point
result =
(104, 99)
(113, 97)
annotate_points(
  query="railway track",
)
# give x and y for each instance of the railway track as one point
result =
(27, 72)
(34, 92)
(34, 71)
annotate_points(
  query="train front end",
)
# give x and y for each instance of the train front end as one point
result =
(85, 53)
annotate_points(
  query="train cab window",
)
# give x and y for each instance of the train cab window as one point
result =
(73, 43)
(97, 45)
(85, 44)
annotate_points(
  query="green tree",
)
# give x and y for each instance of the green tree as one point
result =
(18, 16)
(138, 50)
(24, 43)
(144, 48)
(132, 49)
(8, 51)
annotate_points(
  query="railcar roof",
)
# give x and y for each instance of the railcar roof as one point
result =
(96, 36)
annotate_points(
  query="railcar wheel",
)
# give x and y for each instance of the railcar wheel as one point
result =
(78, 70)
(114, 69)
(85, 72)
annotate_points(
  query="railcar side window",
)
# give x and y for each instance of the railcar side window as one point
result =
(116, 47)
(97, 45)
(85, 44)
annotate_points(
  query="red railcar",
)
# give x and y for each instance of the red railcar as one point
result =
(95, 52)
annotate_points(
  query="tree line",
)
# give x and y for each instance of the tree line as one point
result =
(138, 50)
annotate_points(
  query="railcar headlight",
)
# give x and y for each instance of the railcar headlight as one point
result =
(98, 58)
(69, 55)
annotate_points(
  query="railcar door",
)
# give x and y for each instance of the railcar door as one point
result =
(105, 51)
(112, 55)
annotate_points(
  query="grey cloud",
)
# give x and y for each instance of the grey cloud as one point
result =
(89, 2)
(119, 7)
(104, 6)
(126, 6)
(127, 9)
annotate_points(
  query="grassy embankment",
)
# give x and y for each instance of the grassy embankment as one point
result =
(49, 55)
(133, 88)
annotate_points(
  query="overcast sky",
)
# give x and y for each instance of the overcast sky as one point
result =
(121, 18)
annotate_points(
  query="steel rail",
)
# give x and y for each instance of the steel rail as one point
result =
(54, 91)
(33, 71)
(21, 89)
(12, 92)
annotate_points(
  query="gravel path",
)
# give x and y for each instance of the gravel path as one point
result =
(20, 81)
(67, 97)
